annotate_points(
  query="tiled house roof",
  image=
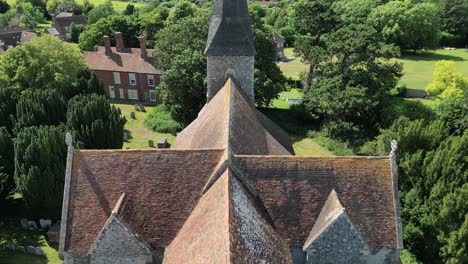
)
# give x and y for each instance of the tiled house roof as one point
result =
(63, 21)
(12, 36)
(129, 60)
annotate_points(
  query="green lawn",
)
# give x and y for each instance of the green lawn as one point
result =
(118, 5)
(293, 67)
(418, 68)
(304, 146)
(137, 134)
(282, 102)
(11, 232)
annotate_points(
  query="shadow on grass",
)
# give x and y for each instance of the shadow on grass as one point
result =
(7, 256)
(428, 56)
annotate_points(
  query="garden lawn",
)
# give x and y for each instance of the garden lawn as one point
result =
(419, 67)
(293, 66)
(282, 103)
(11, 232)
(137, 134)
(118, 5)
(304, 146)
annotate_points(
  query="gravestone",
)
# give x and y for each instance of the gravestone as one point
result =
(142, 108)
(24, 223)
(20, 249)
(44, 223)
(38, 251)
(32, 225)
(132, 115)
(10, 246)
(137, 107)
(151, 143)
(162, 143)
(31, 250)
(125, 137)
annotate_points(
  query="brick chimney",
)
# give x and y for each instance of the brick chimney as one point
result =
(144, 52)
(107, 45)
(119, 44)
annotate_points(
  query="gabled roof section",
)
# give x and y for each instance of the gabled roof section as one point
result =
(162, 187)
(127, 61)
(231, 121)
(295, 189)
(230, 32)
(227, 227)
(330, 211)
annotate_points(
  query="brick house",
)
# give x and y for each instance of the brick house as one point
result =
(11, 37)
(127, 73)
(61, 24)
(230, 189)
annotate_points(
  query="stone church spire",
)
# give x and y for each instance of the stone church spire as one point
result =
(230, 48)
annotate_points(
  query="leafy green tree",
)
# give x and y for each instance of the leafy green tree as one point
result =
(69, 6)
(87, 7)
(269, 81)
(75, 31)
(352, 67)
(44, 62)
(8, 100)
(4, 7)
(129, 10)
(152, 22)
(447, 81)
(408, 25)
(454, 111)
(181, 10)
(27, 15)
(101, 11)
(86, 83)
(40, 107)
(455, 17)
(128, 25)
(40, 155)
(180, 52)
(7, 167)
(94, 123)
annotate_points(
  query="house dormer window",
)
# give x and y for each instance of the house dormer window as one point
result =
(132, 78)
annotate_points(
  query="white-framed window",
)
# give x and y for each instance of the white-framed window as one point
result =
(151, 80)
(121, 93)
(132, 78)
(132, 94)
(117, 77)
(152, 94)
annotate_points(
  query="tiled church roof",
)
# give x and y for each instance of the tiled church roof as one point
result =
(231, 121)
(294, 190)
(162, 186)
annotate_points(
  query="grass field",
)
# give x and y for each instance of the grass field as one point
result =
(118, 5)
(282, 103)
(137, 134)
(418, 68)
(304, 146)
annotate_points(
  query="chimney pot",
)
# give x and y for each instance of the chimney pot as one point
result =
(144, 52)
(107, 45)
(119, 44)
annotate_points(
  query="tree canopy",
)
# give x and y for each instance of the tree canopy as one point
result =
(44, 62)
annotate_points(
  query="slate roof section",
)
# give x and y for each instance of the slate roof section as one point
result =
(127, 61)
(230, 32)
(162, 187)
(294, 190)
(64, 20)
(231, 121)
(12, 36)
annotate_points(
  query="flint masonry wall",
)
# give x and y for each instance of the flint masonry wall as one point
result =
(241, 68)
(339, 243)
(117, 244)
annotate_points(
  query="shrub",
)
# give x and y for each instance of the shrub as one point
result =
(7, 167)
(160, 120)
(40, 107)
(337, 147)
(94, 123)
(412, 109)
(40, 155)
(8, 100)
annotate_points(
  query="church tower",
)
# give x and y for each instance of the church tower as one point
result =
(230, 48)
